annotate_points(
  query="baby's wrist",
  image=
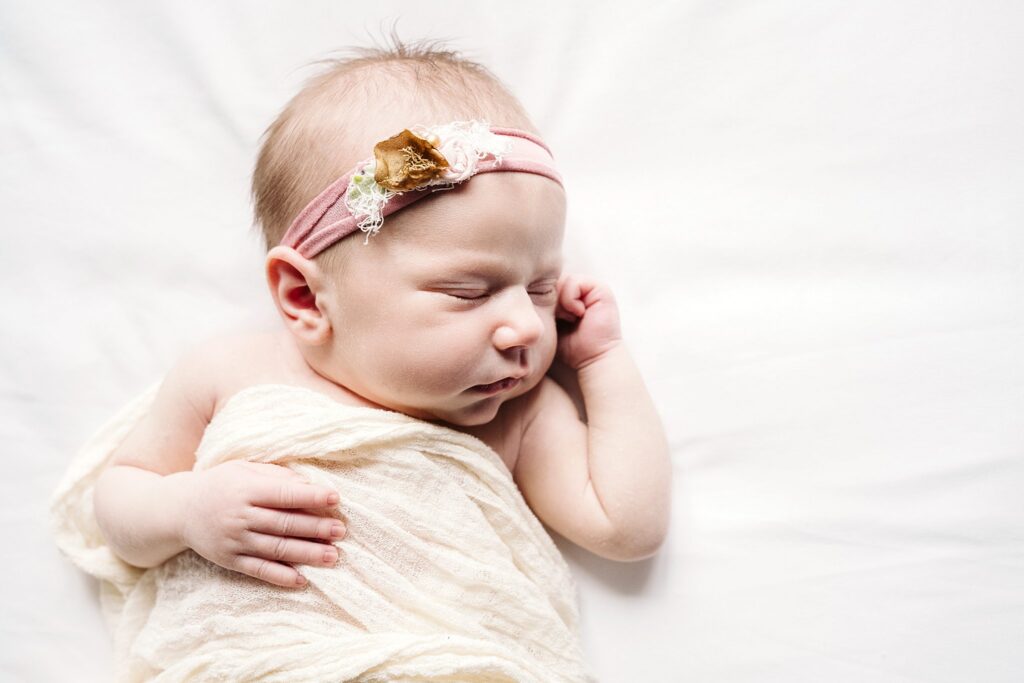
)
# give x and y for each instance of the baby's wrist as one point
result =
(178, 488)
(610, 349)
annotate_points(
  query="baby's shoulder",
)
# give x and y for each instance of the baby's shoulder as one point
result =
(190, 394)
(232, 360)
(239, 350)
(214, 364)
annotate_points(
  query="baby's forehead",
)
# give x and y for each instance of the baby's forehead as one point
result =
(429, 268)
(415, 255)
(479, 261)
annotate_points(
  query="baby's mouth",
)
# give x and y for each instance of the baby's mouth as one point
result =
(499, 386)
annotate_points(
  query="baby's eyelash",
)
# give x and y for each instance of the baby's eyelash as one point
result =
(464, 297)
(544, 289)
(480, 295)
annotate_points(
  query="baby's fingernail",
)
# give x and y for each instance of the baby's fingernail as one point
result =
(300, 580)
(332, 499)
(337, 531)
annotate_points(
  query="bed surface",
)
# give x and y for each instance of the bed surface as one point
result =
(811, 216)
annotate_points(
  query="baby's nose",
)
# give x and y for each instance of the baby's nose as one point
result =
(522, 325)
(508, 337)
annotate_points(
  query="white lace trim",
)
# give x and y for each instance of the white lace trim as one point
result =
(462, 143)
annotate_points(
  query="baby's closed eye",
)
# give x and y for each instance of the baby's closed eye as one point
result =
(468, 294)
(543, 292)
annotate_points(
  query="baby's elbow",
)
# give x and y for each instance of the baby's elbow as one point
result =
(630, 538)
(644, 537)
(645, 550)
(633, 546)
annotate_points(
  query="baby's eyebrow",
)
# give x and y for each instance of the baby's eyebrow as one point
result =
(495, 270)
(480, 269)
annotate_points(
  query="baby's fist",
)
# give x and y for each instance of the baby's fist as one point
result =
(591, 318)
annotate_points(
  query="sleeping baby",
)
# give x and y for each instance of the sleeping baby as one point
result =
(359, 495)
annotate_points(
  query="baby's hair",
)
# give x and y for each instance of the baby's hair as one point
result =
(321, 133)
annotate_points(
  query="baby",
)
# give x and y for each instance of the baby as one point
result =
(414, 222)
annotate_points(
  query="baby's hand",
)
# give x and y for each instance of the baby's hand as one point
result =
(244, 516)
(589, 308)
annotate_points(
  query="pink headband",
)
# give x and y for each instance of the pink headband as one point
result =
(408, 167)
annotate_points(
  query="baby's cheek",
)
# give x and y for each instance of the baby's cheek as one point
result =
(437, 363)
(548, 345)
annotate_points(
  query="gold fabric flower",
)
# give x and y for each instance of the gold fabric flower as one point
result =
(407, 161)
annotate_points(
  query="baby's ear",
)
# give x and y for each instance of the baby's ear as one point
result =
(298, 287)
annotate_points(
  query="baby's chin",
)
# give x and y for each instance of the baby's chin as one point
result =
(485, 411)
(473, 413)
(471, 416)
(465, 416)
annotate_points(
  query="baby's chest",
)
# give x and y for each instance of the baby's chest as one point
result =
(503, 434)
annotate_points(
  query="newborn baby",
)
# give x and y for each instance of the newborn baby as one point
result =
(414, 222)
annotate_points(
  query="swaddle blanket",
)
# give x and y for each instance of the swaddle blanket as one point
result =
(445, 574)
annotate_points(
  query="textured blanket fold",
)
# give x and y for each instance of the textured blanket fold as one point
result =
(445, 574)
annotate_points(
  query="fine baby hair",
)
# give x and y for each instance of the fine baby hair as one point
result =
(340, 114)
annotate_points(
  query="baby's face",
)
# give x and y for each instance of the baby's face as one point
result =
(456, 291)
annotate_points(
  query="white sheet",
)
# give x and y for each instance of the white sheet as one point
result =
(821, 275)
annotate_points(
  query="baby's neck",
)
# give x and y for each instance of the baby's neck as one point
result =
(295, 368)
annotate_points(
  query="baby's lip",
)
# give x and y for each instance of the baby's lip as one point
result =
(516, 376)
(501, 385)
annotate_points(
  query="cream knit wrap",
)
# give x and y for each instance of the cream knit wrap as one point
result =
(445, 574)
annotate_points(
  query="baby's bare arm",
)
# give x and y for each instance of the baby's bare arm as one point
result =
(150, 504)
(137, 499)
(604, 484)
(133, 509)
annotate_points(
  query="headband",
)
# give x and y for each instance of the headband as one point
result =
(408, 167)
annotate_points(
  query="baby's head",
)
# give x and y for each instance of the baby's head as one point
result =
(457, 289)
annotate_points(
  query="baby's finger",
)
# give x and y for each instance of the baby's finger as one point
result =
(562, 314)
(292, 550)
(569, 306)
(291, 494)
(295, 525)
(272, 572)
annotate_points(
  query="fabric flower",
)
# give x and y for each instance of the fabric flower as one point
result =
(406, 162)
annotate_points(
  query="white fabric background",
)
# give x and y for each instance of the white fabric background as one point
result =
(810, 211)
